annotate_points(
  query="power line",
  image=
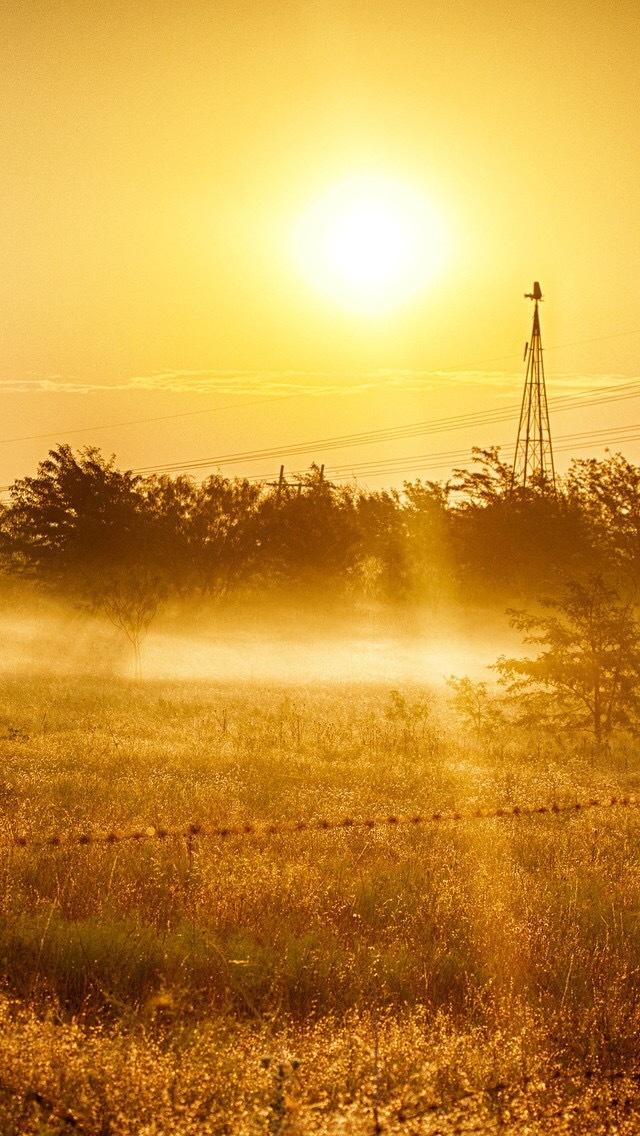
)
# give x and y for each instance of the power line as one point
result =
(348, 471)
(443, 459)
(599, 396)
(420, 428)
(143, 421)
(297, 394)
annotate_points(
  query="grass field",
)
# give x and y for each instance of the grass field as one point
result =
(463, 977)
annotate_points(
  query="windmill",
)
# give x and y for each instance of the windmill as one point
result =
(533, 466)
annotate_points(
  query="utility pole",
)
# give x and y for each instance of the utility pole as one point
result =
(533, 466)
(282, 486)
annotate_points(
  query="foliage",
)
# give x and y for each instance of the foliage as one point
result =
(80, 526)
(487, 484)
(478, 709)
(82, 529)
(75, 516)
(587, 674)
(607, 495)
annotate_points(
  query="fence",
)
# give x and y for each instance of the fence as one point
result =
(250, 830)
(618, 1090)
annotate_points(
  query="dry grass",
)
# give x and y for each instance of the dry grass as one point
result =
(399, 968)
(416, 1072)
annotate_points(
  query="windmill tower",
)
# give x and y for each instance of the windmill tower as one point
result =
(533, 462)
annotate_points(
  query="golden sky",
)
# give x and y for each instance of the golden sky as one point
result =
(157, 158)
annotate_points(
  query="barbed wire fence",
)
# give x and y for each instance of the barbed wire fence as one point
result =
(194, 831)
(617, 1089)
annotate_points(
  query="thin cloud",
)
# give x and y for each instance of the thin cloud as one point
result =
(303, 383)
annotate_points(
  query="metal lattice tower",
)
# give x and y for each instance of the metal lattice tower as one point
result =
(533, 466)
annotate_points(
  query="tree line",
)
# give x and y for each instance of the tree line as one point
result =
(83, 526)
(123, 544)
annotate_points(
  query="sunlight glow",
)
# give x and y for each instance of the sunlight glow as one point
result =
(370, 243)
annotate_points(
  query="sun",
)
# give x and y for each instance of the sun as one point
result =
(370, 243)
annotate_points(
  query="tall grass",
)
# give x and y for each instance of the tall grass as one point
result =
(525, 929)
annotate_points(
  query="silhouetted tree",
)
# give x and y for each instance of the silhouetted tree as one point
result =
(587, 670)
(110, 539)
(606, 492)
(131, 603)
(380, 570)
(209, 531)
(80, 528)
(226, 534)
(308, 539)
(513, 542)
(486, 483)
(427, 522)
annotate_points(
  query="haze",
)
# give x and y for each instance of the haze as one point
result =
(236, 646)
(156, 158)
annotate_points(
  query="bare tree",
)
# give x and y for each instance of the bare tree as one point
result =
(131, 603)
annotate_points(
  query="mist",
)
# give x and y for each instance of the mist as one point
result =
(275, 644)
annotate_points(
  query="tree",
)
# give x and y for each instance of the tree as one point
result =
(587, 670)
(81, 529)
(64, 524)
(131, 604)
(487, 484)
(607, 493)
(380, 568)
(224, 534)
(427, 525)
(479, 710)
(308, 539)
(512, 541)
